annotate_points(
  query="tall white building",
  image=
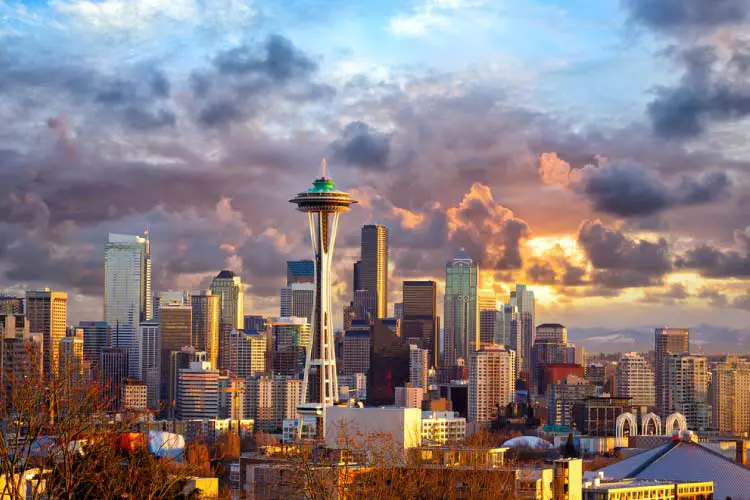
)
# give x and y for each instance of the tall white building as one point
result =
(419, 360)
(297, 300)
(127, 292)
(730, 397)
(247, 353)
(635, 380)
(198, 392)
(492, 382)
(150, 341)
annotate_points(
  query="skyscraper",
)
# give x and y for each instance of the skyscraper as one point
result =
(356, 349)
(323, 204)
(373, 272)
(114, 364)
(11, 304)
(127, 291)
(523, 299)
(420, 316)
(300, 271)
(198, 392)
(667, 341)
(461, 308)
(206, 324)
(297, 300)
(290, 338)
(150, 338)
(231, 307)
(47, 314)
(635, 380)
(389, 365)
(175, 328)
(418, 366)
(492, 382)
(95, 338)
(686, 389)
(730, 397)
(71, 358)
(247, 353)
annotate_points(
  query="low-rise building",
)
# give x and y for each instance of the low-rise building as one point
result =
(442, 427)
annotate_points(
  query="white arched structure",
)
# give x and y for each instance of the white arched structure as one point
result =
(623, 420)
(651, 425)
(669, 426)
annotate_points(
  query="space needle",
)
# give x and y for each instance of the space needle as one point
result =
(323, 204)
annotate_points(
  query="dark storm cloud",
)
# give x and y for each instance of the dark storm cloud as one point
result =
(709, 91)
(243, 78)
(676, 15)
(621, 262)
(713, 262)
(541, 272)
(362, 146)
(632, 190)
(279, 60)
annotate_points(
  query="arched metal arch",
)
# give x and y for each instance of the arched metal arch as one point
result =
(653, 420)
(620, 425)
(678, 418)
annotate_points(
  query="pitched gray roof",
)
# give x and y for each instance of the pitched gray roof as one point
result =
(687, 462)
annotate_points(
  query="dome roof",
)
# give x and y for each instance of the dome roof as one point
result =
(528, 442)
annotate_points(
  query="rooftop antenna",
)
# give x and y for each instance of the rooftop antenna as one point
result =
(323, 167)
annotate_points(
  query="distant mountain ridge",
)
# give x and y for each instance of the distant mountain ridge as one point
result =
(704, 338)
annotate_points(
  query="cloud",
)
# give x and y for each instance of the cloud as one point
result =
(429, 15)
(711, 90)
(622, 262)
(675, 292)
(246, 79)
(742, 301)
(681, 15)
(362, 146)
(629, 189)
(714, 262)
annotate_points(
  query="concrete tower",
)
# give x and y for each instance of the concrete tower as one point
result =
(323, 204)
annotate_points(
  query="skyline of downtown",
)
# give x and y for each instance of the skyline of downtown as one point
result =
(617, 206)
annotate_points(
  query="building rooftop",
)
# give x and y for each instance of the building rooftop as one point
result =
(225, 274)
(684, 461)
(616, 484)
(550, 325)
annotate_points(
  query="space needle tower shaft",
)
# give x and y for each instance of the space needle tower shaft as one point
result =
(323, 204)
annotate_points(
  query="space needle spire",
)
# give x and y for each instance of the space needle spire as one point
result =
(323, 204)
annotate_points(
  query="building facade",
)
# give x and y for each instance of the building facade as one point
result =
(373, 271)
(127, 291)
(47, 314)
(419, 318)
(635, 380)
(198, 392)
(205, 324)
(492, 382)
(231, 294)
(667, 341)
(686, 388)
(730, 397)
(461, 308)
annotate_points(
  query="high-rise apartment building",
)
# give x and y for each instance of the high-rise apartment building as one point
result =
(175, 329)
(300, 271)
(231, 397)
(231, 294)
(22, 355)
(686, 389)
(510, 331)
(150, 339)
(461, 308)
(418, 366)
(492, 382)
(409, 396)
(271, 400)
(523, 299)
(127, 291)
(373, 272)
(635, 380)
(419, 317)
(47, 314)
(198, 392)
(247, 353)
(667, 341)
(206, 324)
(95, 338)
(730, 397)
(564, 395)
